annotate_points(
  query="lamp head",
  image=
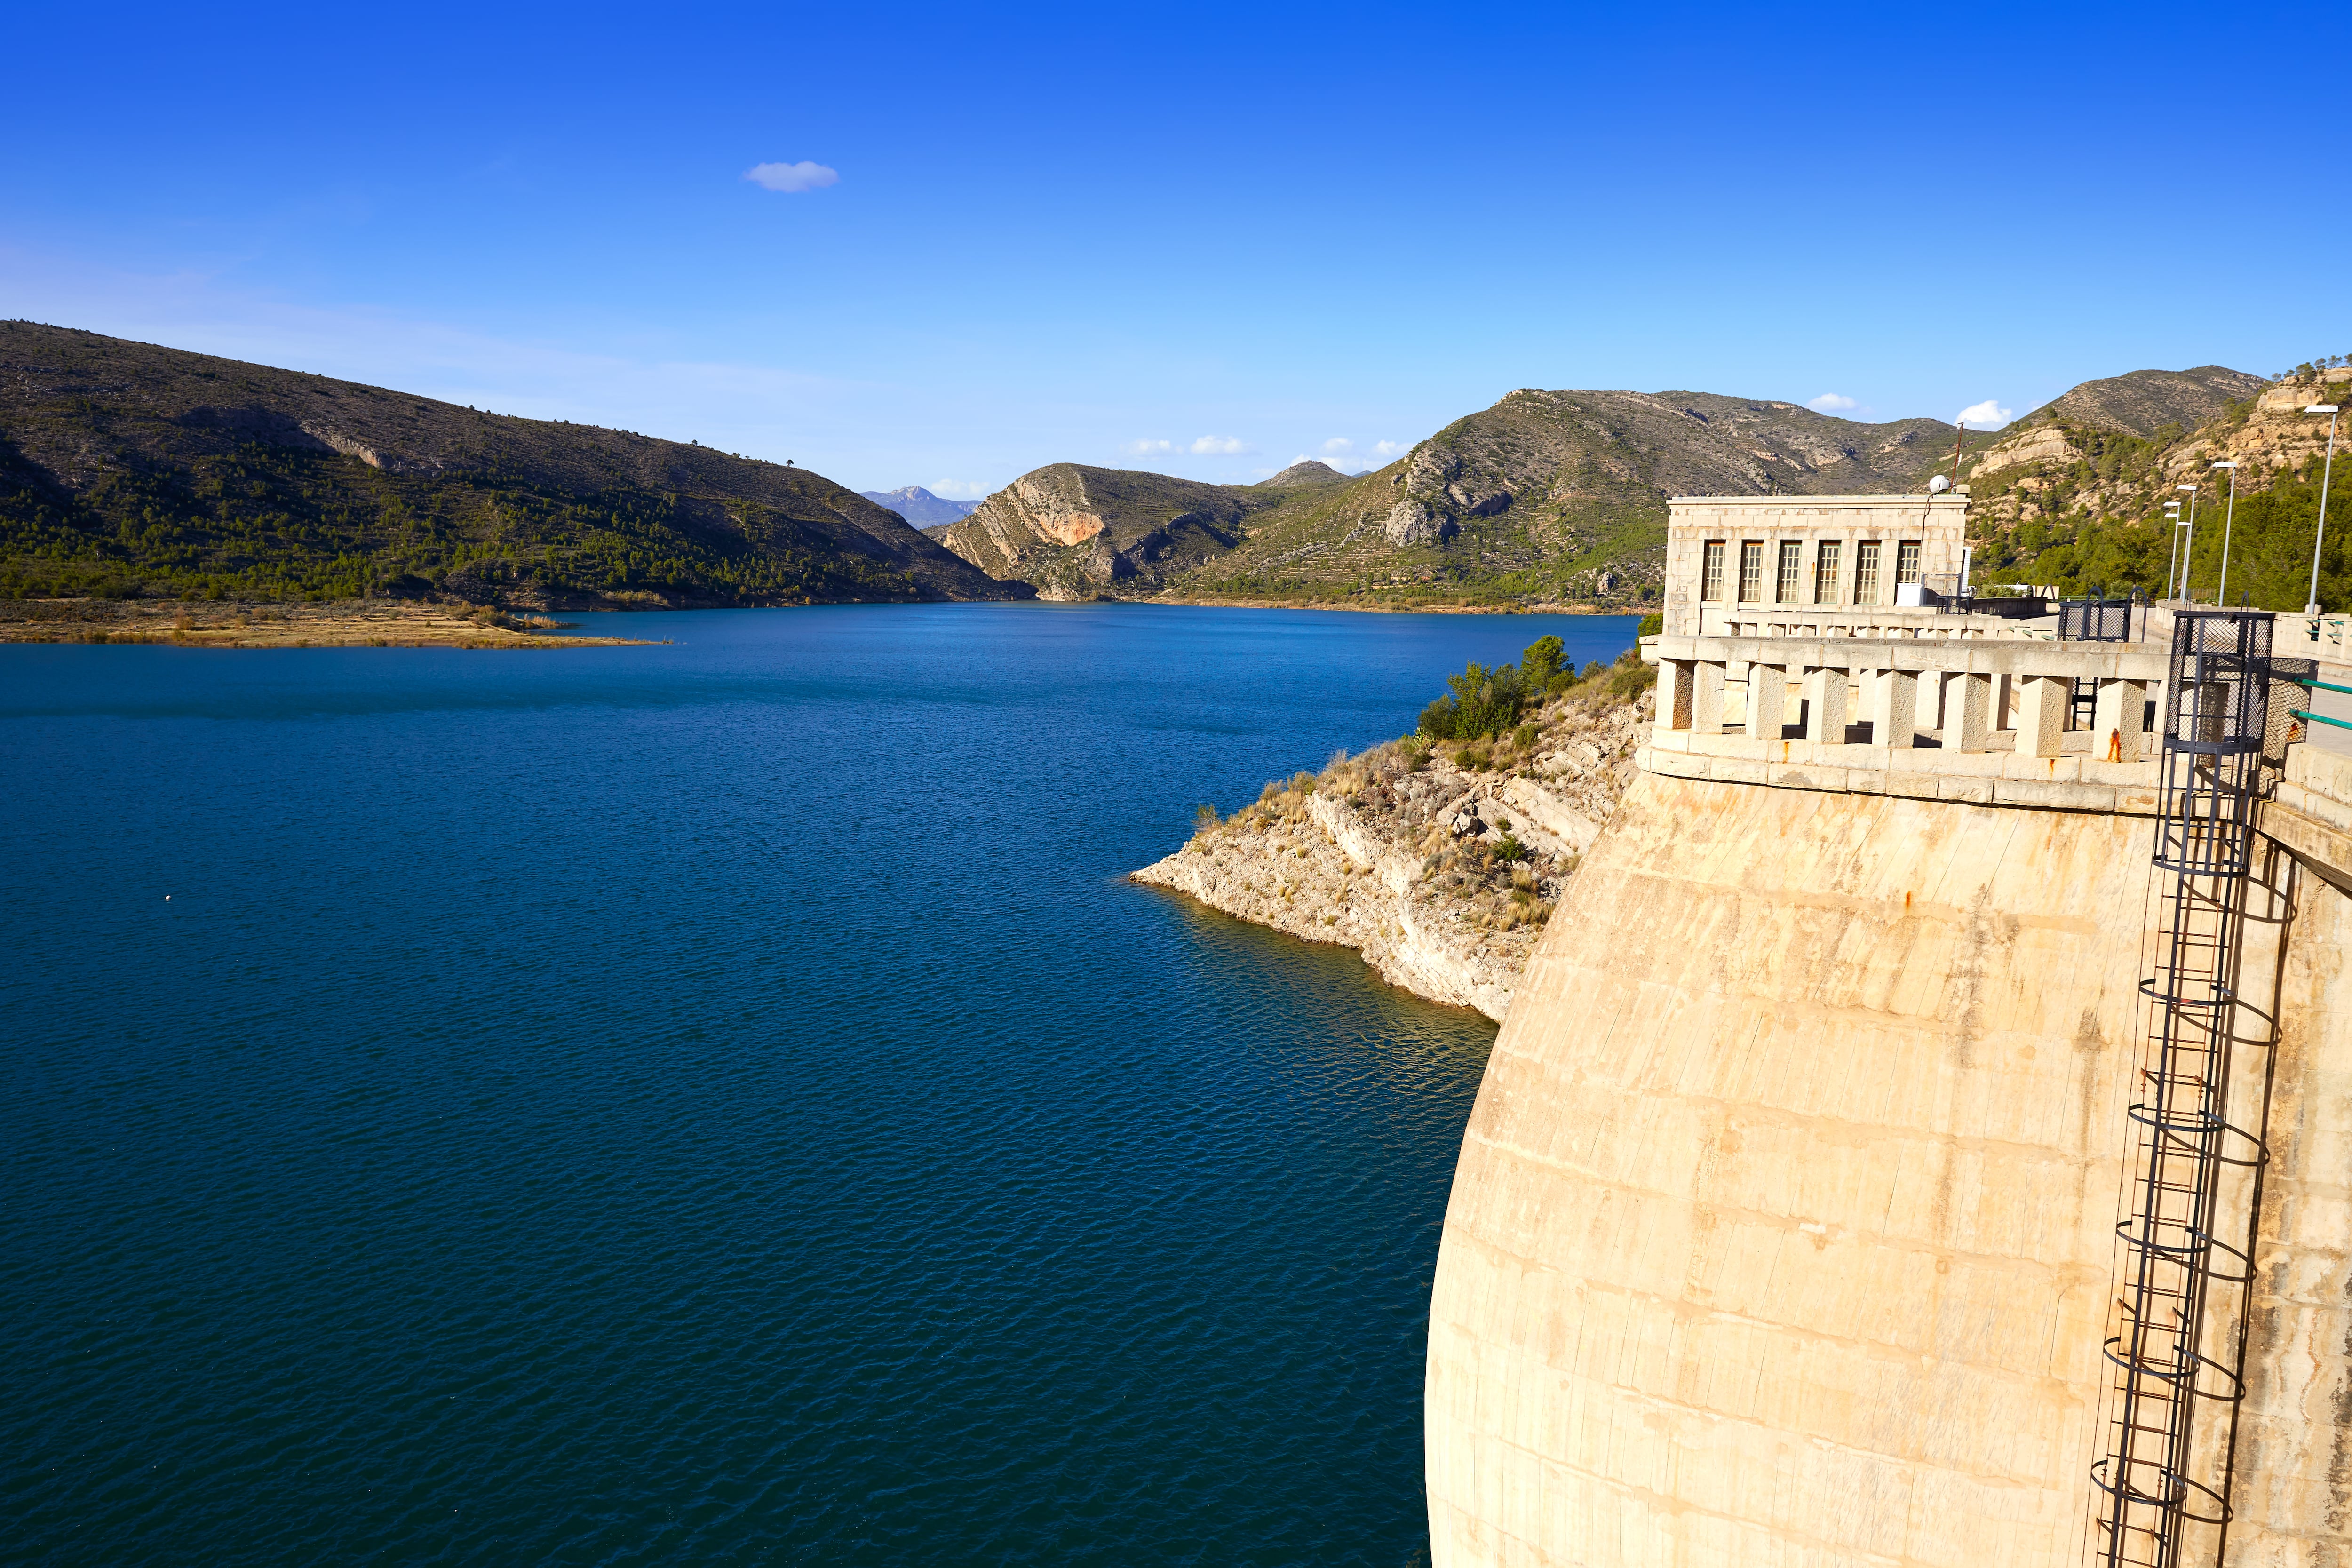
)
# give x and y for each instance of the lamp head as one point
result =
(2183, 488)
(2226, 463)
(2321, 408)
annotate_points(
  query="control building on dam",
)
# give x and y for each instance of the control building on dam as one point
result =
(1924, 1135)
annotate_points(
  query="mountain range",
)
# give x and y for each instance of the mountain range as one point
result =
(920, 507)
(130, 468)
(1545, 496)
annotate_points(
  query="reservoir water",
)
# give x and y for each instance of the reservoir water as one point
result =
(716, 1102)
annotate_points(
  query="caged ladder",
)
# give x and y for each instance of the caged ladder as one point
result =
(2216, 715)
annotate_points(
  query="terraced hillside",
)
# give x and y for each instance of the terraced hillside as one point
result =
(129, 469)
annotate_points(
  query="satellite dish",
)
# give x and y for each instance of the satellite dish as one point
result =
(1939, 485)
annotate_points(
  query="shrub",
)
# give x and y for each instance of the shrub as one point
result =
(1509, 848)
(1204, 817)
(1651, 624)
(1633, 680)
(1524, 736)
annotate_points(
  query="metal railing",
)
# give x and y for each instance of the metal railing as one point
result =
(2310, 718)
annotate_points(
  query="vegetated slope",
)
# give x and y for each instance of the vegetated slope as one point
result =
(2078, 506)
(920, 507)
(126, 467)
(2144, 402)
(1559, 496)
(2091, 454)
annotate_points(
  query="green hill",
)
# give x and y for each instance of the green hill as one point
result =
(130, 468)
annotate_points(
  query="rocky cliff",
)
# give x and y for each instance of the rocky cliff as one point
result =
(1440, 867)
(1076, 533)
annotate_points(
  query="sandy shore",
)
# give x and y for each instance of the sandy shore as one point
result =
(358, 623)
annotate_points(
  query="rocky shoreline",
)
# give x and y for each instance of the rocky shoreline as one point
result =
(1439, 864)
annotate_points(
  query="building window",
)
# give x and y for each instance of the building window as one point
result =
(1710, 577)
(1825, 571)
(1792, 571)
(1866, 572)
(1752, 572)
(1907, 561)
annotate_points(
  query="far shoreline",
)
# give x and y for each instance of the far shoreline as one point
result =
(404, 622)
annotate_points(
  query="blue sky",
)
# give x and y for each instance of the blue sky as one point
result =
(1200, 241)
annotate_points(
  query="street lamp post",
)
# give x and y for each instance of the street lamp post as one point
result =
(2228, 518)
(2188, 545)
(2312, 609)
(2172, 564)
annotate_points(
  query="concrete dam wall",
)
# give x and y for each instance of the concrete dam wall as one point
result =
(1785, 1227)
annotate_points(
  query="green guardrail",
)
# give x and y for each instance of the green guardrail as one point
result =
(2321, 719)
(2323, 685)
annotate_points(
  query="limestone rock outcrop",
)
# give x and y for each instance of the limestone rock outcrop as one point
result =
(1073, 531)
(1395, 859)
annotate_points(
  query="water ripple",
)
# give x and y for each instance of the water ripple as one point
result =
(717, 1102)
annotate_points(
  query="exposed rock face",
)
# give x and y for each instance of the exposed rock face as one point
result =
(1413, 522)
(1074, 531)
(1396, 862)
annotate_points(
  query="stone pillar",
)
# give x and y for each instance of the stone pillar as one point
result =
(2117, 719)
(2042, 715)
(1967, 713)
(1767, 700)
(1825, 705)
(1674, 693)
(1893, 708)
(1707, 697)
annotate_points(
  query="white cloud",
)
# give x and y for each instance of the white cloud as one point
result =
(957, 489)
(1219, 447)
(1145, 448)
(791, 178)
(1985, 415)
(1338, 443)
(1388, 448)
(1833, 403)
